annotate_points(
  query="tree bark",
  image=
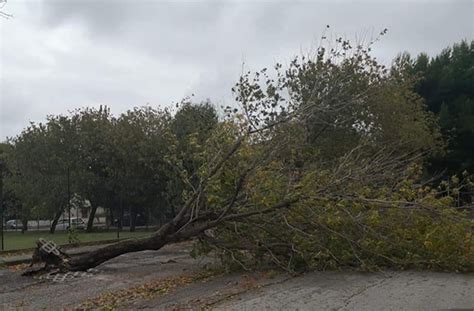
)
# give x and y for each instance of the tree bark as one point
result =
(58, 214)
(90, 221)
(168, 233)
(95, 258)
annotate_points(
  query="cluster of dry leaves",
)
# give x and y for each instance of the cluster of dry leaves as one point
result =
(148, 290)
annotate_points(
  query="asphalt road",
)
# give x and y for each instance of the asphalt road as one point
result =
(356, 291)
(245, 291)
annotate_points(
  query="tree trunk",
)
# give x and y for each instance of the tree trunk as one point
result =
(90, 221)
(120, 223)
(110, 217)
(168, 233)
(24, 227)
(133, 219)
(55, 221)
(95, 258)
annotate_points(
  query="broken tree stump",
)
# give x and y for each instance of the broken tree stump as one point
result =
(48, 253)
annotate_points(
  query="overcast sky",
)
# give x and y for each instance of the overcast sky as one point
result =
(64, 54)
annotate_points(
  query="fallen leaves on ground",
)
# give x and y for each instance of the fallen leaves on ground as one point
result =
(112, 300)
(242, 285)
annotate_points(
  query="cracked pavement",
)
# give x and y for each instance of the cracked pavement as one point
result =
(408, 290)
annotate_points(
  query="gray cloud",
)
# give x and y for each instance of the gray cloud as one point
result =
(60, 55)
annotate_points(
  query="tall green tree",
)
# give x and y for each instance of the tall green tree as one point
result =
(41, 161)
(95, 153)
(446, 82)
(61, 163)
(192, 126)
(143, 142)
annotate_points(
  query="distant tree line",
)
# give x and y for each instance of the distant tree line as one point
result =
(127, 163)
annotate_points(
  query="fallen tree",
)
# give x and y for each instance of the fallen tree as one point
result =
(315, 155)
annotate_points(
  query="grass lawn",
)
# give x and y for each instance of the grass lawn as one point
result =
(17, 240)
